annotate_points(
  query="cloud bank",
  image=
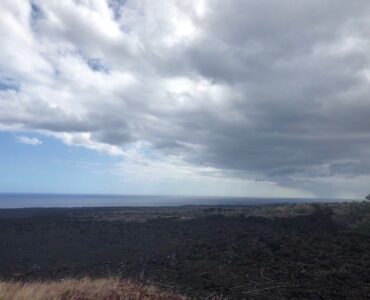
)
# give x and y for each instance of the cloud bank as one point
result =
(273, 91)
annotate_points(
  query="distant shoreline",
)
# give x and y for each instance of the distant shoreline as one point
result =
(23, 200)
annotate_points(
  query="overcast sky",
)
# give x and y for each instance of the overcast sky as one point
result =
(248, 98)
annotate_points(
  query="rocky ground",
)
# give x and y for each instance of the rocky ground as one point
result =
(305, 252)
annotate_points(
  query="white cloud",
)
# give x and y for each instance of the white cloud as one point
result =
(28, 140)
(84, 140)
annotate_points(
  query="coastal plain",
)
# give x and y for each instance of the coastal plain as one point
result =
(280, 251)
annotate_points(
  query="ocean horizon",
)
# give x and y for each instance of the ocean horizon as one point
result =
(29, 200)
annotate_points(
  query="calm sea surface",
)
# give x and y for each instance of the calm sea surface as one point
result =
(68, 200)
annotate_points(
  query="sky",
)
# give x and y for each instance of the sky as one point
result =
(258, 98)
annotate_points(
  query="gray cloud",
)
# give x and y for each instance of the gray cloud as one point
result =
(276, 90)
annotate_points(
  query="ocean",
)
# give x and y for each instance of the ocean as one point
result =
(84, 200)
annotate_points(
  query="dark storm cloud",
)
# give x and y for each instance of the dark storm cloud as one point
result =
(303, 93)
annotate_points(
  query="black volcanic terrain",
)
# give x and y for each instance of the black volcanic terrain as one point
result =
(272, 252)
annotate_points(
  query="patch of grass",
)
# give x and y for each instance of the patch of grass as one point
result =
(106, 288)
